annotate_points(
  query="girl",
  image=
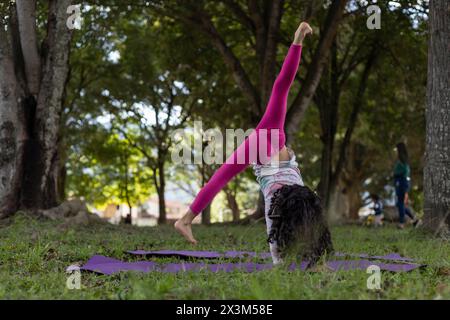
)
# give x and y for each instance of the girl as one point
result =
(293, 212)
(402, 184)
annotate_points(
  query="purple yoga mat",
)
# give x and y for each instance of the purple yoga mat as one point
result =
(244, 254)
(390, 256)
(200, 254)
(105, 265)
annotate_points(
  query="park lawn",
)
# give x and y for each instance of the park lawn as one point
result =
(35, 253)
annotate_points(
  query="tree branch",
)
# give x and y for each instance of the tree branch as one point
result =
(270, 54)
(243, 18)
(353, 62)
(260, 32)
(239, 74)
(135, 145)
(303, 99)
(200, 20)
(357, 105)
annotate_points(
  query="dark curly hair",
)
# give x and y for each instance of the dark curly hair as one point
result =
(299, 227)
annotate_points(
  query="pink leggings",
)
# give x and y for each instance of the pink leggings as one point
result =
(269, 132)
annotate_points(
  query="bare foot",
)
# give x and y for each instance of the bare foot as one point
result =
(185, 229)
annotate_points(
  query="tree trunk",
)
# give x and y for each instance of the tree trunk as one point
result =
(338, 206)
(12, 130)
(32, 94)
(354, 199)
(261, 207)
(206, 215)
(128, 219)
(358, 103)
(437, 166)
(62, 181)
(259, 212)
(162, 194)
(326, 171)
(352, 177)
(233, 205)
(328, 110)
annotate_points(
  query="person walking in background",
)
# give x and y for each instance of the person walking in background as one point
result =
(402, 182)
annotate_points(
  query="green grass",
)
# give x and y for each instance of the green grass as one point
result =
(34, 254)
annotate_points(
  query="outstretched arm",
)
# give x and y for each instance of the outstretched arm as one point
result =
(292, 60)
(303, 30)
